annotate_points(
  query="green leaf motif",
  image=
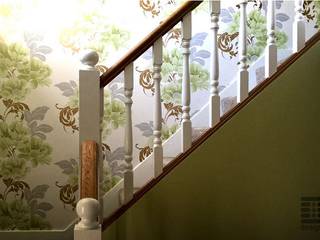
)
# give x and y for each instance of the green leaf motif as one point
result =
(91, 31)
(171, 88)
(19, 72)
(39, 191)
(257, 28)
(18, 215)
(19, 151)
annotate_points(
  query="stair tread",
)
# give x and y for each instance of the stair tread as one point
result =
(197, 132)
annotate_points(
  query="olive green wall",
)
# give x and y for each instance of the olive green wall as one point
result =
(246, 181)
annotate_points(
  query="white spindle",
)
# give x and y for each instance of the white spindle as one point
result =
(298, 39)
(90, 118)
(88, 227)
(128, 174)
(243, 79)
(186, 140)
(157, 119)
(271, 49)
(214, 103)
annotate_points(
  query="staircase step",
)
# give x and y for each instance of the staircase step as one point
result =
(167, 160)
(198, 132)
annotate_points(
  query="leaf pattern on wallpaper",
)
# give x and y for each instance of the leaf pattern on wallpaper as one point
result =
(20, 150)
(146, 80)
(311, 12)
(22, 135)
(32, 118)
(173, 110)
(256, 4)
(67, 117)
(146, 128)
(24, 210)
(114, 109)
(19, 72)
(154, 7)
(257, 33)
(68, 114)
(172, 73)
(280, 17)
(16, 108)
(68, 190)
(150, 6)
(37, 49)
(92, 31)
(22, 145)
(144, 152)
(227, 44)
(174, 35)
(113, 168)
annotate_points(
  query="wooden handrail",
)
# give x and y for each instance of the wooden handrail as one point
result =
(147, 42)
(224, 119)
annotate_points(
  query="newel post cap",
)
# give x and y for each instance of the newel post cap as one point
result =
(89, 58)
(88, 212)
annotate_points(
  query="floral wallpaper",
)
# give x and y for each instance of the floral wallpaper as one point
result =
(39, 62)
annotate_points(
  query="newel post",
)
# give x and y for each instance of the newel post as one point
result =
(90, 118)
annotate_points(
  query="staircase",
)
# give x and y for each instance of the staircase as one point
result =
(143, 197)
(246, 180)
(139, 180)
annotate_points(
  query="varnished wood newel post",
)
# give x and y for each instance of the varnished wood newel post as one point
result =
(90, 117)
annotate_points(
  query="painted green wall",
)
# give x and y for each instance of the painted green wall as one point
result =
(246, 181)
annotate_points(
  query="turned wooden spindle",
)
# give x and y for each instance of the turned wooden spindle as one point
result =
(214, 101)
(186, 139)
(243, 78)
(157, 118)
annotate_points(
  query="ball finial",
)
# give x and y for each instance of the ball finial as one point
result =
(88, 211)
(90, 58)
